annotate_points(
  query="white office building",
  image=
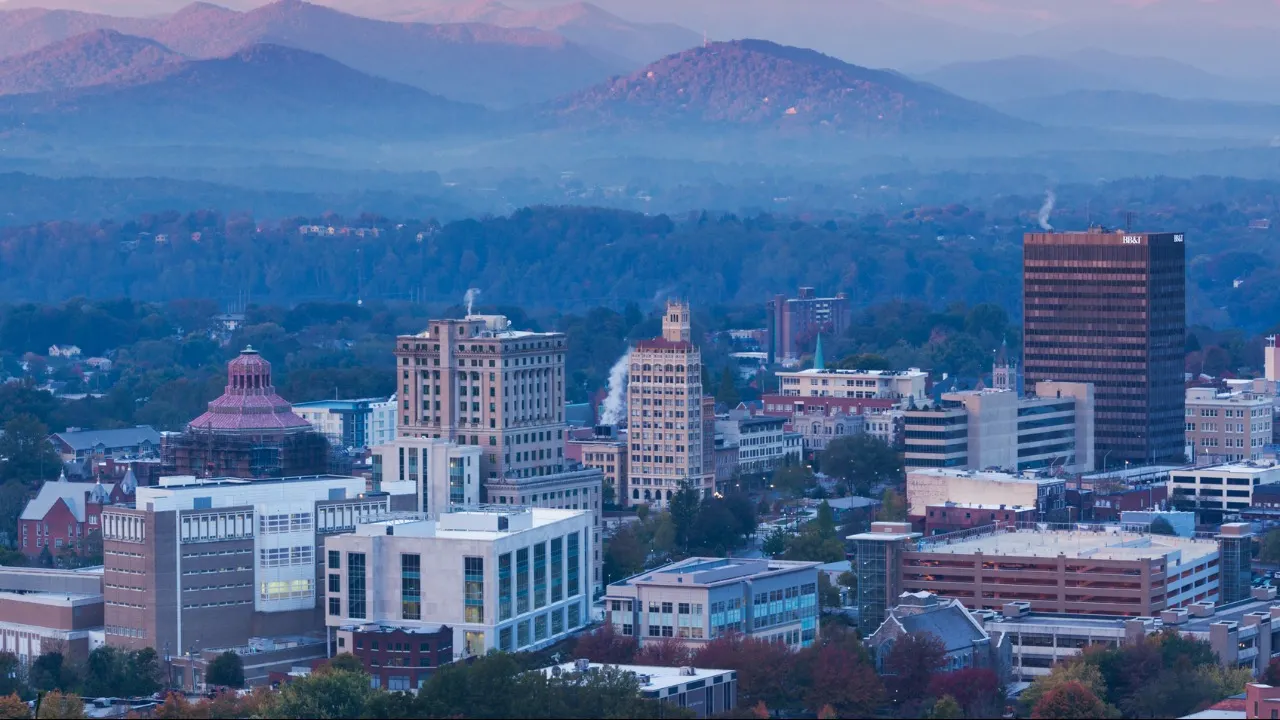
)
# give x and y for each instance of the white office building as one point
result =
(438, 473)
(510, 578)
(355, 424)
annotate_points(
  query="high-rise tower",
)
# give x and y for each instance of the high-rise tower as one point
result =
(1109, 308)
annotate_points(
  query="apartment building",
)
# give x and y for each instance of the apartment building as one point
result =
(794, 323)
(1227, 427)
(1225, 488)
(671, 425)
(506, 578)
(476, 381)
(609, 456)
(981, 429)
(397, 658)
(761, 441)
(1089, 570)
(443, 474)
(198, 563)
(700, 599)
(931, 487)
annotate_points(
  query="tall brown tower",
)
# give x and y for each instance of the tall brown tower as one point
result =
(1109, 308)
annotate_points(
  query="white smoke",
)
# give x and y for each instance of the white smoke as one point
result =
(1047, 209)
(470, 298)
(617, 390)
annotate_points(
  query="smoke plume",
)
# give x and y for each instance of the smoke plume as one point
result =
(470, 298)
(613, 404)
(1047, 209)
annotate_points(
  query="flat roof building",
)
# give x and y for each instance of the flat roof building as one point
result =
(699, 599)
(895, 385)
(1109, 308)
(1223, 488)
(703, 691)
(794, 323)
(356, 424)
(45, 608)
(938, 486)
(503, 577)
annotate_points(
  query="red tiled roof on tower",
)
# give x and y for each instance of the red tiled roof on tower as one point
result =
(250, 402)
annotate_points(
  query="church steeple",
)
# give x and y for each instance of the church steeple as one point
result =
(818, 363)
(1004, 373)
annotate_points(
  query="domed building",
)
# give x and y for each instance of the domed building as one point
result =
(247, 432)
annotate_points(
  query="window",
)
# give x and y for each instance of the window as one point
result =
(522, 582)
(504, 587)
(539, 575)
(411, 587)
(335, 605)
(557, 569)
(355, 586)
(335, 583)
(473, 589)
(335, 559)
(540, 627)
(573, 565)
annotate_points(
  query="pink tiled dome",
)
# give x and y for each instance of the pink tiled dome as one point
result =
(250, 402)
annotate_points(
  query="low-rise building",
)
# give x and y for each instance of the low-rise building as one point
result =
(261, 657)
(63, 515)
(1261, 700)
(699, 599)
(759, 440)
(607, 454)
(1223, 488)
(140, 441)
(965, 642)
(818, 429)
(397, 657)
(952, 517)
(503, 577)
(42, 609)
(937, 486)
(1227, 427)
(702, 691)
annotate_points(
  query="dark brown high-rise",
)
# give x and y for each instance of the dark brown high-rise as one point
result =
(1109, 308)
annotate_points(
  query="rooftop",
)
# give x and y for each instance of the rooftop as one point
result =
(991, 476)
(390, 628)
(479, 522)
(1099, 542)
(181, 482)
(1238, 468)
(711, 571)
(338, 404)
(910, 372)
(123, 437)
(659, 677)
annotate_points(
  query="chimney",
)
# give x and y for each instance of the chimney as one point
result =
(1201, 609)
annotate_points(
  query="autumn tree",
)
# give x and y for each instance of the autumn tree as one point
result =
(1076, 670)
(911, 664)
(946, 707)
(862, 461)
(345, 661)
(13, 707)
(326, 694)
(605, 645)
(1069, 701)
(227, 670)
(843, 681)
(666, 652)
(976, 690)
(763, 668)
(57, 706)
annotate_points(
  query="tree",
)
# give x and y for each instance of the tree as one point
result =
(227, 669)
(775, 543)
(863, 462)
(55, 705)
(603, 645)
(390, 706)
(10, 679)
(326, 694)
(1068, 701)
(727, 390)
(764, 668)
(946, 707)
(1161, 526)
(1078, 670)
(893, 506)
(46, 672)
(346, 661)
(911, 664)
(1270, 552)
(13, 707)
(844, 681)
(28, 455)
(683, 509)
(828, 594)
(977, 691)
(624, 553)
(666, 652)
(795, 480)
(142, 674)
(848, 581)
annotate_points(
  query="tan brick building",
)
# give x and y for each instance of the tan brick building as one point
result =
(1225, 427)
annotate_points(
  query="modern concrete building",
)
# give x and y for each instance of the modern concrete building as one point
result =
(702, 691)
(1227, 427)
(355, 424)
(699, 599)
(1224, 488)
(1081, 569)
(43, 609)
(1109, 308)
(510, 578)
(794, 323)
(939, 486)
(194, 564)
(443, 473)
(671, 425)
(982, 429)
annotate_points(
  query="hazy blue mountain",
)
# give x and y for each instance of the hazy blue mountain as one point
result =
(101, 57)
(1133, 110)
